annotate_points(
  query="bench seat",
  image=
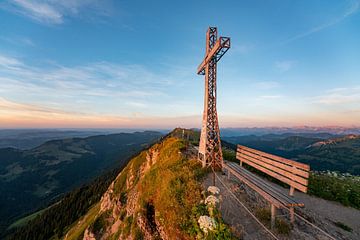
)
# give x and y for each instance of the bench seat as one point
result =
(270, 192)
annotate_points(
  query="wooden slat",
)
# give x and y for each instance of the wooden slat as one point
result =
(289, 201)
(278, 176)
(253, 186)
(283, 166)
(277, 158)
(275, 169)
(275, 192)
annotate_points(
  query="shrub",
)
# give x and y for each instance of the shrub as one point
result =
(282, 227)
(343, 226)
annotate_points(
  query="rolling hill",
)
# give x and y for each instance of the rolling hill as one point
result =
(335, 154)
(31, 179)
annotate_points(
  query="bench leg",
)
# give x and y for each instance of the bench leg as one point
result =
(273, 215)
(292, 189)
(292, 215)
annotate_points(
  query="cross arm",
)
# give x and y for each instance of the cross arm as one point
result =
(220, 48)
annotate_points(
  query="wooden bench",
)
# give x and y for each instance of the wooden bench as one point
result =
(292, 173)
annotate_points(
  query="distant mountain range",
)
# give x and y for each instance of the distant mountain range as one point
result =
(30, 138)
(258, 131)
(335, 154)
(30, 179)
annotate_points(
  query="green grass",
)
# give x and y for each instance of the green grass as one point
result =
(23, 221)
(77, 231)
(169, 193)
(343, 190)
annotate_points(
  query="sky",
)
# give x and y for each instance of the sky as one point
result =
(131, 64)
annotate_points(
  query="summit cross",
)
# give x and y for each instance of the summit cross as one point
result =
(210, 153)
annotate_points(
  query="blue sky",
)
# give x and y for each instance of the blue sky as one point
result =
(106, 63)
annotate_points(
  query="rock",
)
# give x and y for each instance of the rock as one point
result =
(88, 235)
(211, 200)
(206, 223)
(106, 202)
(213, 190)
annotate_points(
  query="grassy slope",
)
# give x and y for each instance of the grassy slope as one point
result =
(172, 186)
(77, 230)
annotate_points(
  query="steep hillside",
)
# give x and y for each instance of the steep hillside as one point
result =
(33, 178)
(158, 195)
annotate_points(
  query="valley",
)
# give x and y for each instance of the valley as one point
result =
(32, 179)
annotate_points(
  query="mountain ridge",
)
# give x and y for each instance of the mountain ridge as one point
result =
(31, 179)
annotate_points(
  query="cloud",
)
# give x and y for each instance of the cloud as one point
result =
(14, 115)
(54, 11)
(9, 62)
(94, 88)
(11, 106)
(242, 48)
(285, 66)
(136, 104)
(20, 41)
(265, 85)
(353, 8)
(94, 79)
(340, 96)
(271, 96)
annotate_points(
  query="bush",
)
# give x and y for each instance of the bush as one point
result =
(263, 214)
(343, 226)
(282, 227)
(345, 190)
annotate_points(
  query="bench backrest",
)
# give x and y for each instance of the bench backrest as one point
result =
(288, 171)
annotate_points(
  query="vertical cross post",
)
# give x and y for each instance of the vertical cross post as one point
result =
(210, 152)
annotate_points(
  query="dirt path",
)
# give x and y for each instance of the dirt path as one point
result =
(327, 213)
(322, 213)
(244, 226)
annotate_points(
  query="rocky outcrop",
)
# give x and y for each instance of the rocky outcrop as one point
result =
(106, 201)
(151, 158)
(88, 235)
(119, 211)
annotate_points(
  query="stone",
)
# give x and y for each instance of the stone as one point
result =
(88, 235)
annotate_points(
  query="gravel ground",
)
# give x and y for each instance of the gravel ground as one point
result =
(241, 222)
(322, 213)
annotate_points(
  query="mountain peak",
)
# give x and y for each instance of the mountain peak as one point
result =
(333, 141)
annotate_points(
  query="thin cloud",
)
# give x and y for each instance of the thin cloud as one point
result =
(242, 48)
(340, 96)
(93, 87)
(9, 63)
(11, 106)
(20, 41)
(284, 66)
(265, 85)
(54, 12)
(95, 79)
(354, 6)
(271, 97)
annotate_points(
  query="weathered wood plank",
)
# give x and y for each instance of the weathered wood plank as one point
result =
(289, 175)
(281, 165)
(277, 158)
(275, 192)
(267, 196)
(271, 190)
(278, 176)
